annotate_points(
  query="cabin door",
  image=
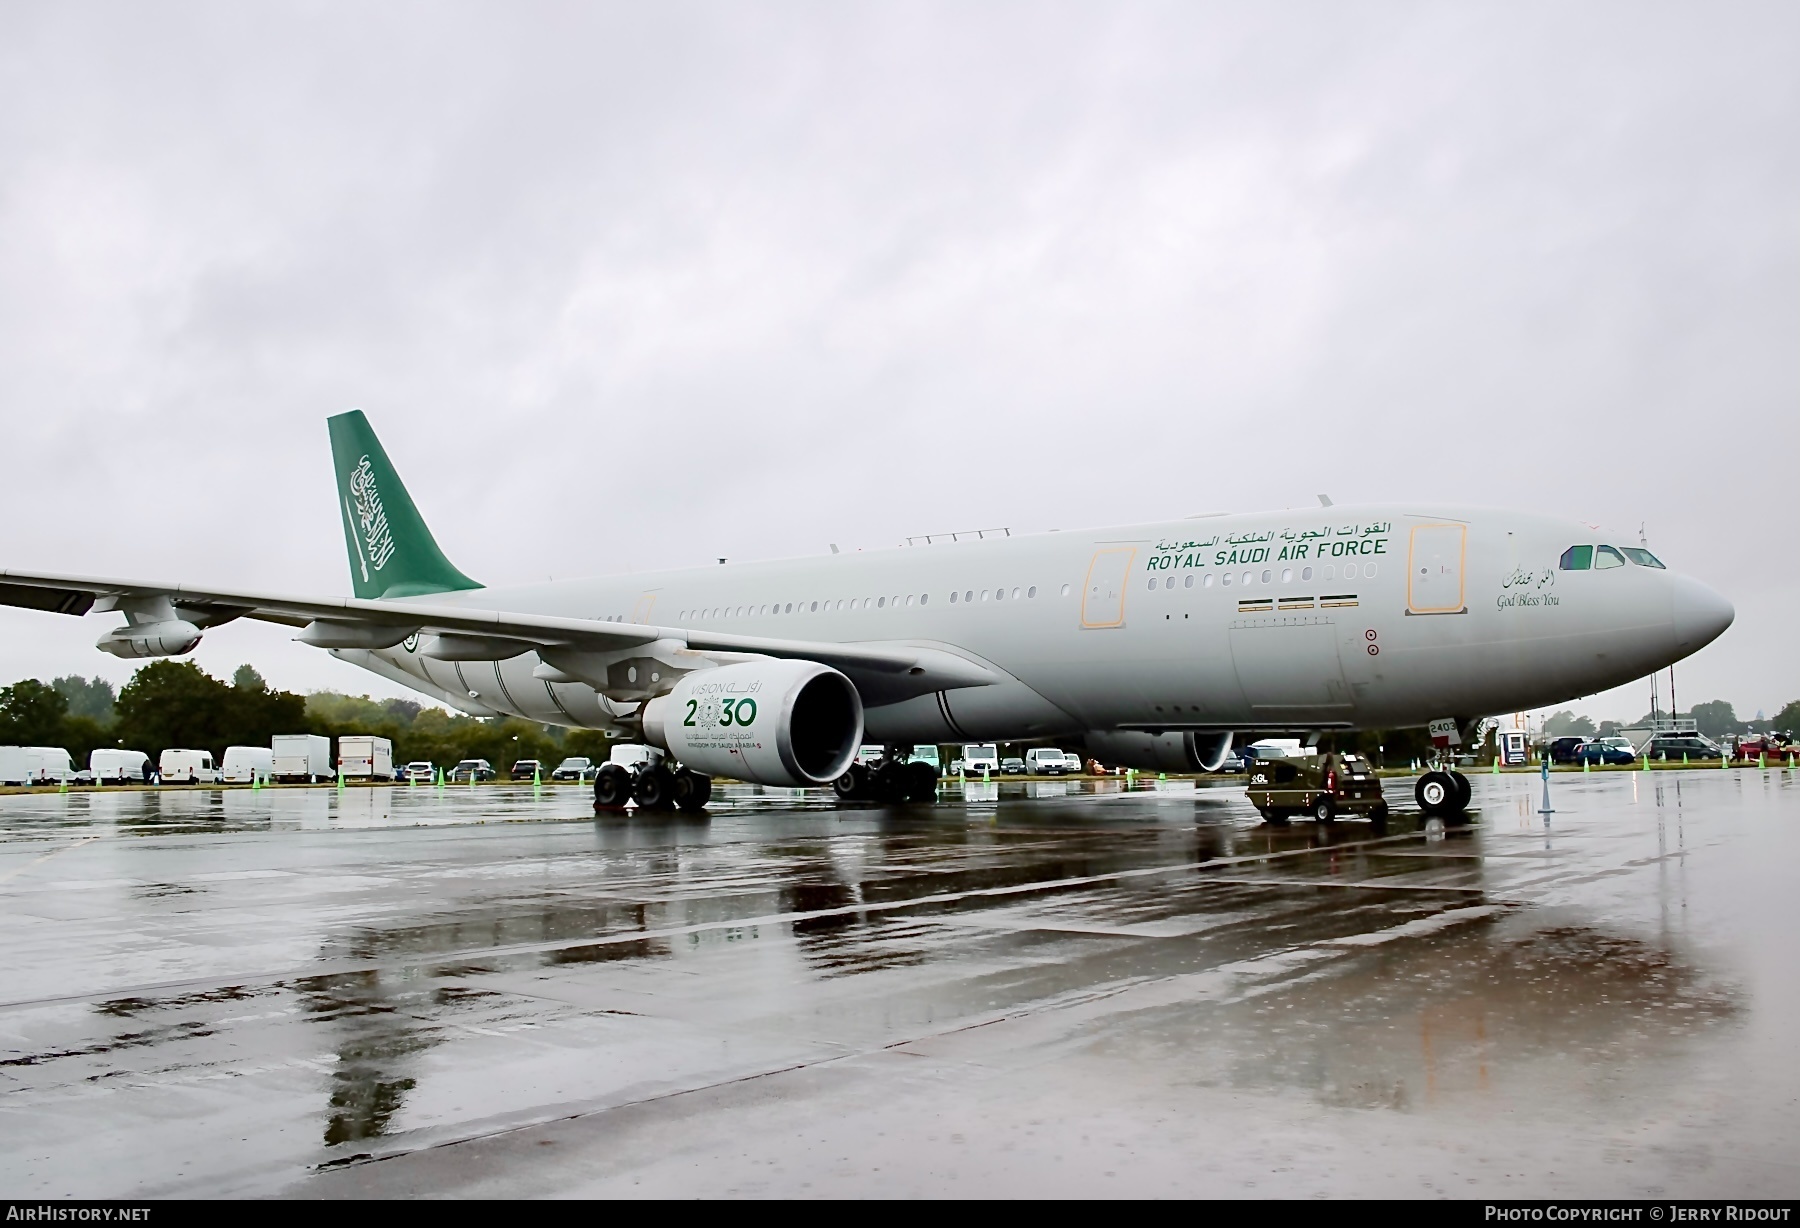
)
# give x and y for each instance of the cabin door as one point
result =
(1434, 571)
(640, 612)
(1103, 597)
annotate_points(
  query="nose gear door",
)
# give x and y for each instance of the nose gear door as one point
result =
(1103, 597)
(1434, 569)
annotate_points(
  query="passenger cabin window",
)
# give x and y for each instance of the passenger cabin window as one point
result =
(1577, 558)
(1643, 558)
(1606, 557)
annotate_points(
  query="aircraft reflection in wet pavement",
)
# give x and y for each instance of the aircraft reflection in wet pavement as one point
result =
(1151, 643)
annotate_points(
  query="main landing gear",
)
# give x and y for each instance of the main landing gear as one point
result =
(1444, 795)
(893, 779)
(653, 786)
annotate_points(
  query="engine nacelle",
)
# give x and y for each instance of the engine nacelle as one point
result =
(792, 723)
(1162, 752)
(170, 638)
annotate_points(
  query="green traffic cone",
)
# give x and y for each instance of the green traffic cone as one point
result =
(1587, 765)
(1762, 760)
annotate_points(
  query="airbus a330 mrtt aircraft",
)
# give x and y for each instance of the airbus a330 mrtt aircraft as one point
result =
(1152, 644)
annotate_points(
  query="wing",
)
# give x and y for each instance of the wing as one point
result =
(166, 619)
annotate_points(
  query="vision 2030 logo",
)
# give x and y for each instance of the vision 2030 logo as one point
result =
(713, 713)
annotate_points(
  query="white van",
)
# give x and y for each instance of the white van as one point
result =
(245, 765)
(1046, 761)
(37, 765)
(365, 757)
(188, 767)
(981, 757)
(118, 767)
(12, 765)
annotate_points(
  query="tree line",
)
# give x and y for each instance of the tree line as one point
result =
(176, 704)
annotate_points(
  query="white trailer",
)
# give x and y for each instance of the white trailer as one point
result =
(303, 757)
(118, 767)
(245, 765)
(365, 757)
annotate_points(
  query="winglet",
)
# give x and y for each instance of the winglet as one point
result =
(392, 553)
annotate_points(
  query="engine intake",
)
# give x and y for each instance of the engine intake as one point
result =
(791, 723)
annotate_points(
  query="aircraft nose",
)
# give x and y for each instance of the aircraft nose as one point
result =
(1700, 615)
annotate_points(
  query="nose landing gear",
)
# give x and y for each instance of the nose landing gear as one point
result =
(1444, 794)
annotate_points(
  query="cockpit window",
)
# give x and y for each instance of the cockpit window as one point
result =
(1577, 558)
(1642, 557)
(1607, 557)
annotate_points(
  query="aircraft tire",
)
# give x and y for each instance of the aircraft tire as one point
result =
(1464, 790)
(853, 785)
(692, 790)
(654, 788)
(612, 787)
(889, 782)
(1436, 793)
(921, 782)
(1323, 811)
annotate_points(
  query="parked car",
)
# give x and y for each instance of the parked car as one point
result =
(1012, 767)
(1775, 745)
(575, 767)
(1234, 762)
(981, 757)
(526, 769)
(1046, 761)
(421, 770)
(1606, 750)
(473, 769)
(1676, 747)
(1562, 750)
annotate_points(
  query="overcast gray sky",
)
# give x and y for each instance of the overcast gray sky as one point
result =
(633, 286)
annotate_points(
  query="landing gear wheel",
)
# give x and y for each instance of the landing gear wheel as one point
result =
(692, 790)
(1436, 794)
(654, 788)
(1324, 812)
(921, 782)
(1464, 791)
(612, 788)
(889, 781)
(853, 785)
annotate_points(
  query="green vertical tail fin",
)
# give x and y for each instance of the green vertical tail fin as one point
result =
(392, 553)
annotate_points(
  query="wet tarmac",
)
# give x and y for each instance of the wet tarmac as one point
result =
(1032, 990)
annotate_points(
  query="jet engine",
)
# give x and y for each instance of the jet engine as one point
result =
(169, 638)
(1161, 752)
(792, 723)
